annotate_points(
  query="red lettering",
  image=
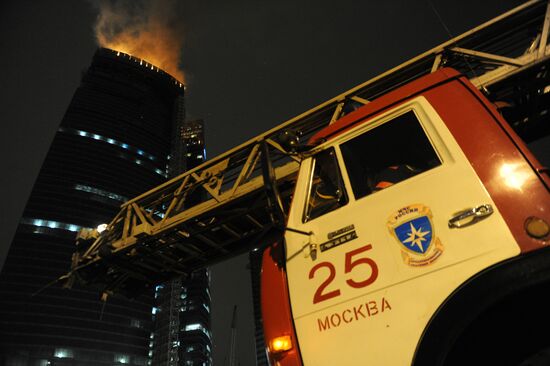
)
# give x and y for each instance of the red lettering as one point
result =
(319, 295)
(358, 311)
(385, 304)
(323, 326)
(350, 263)
(337, 316)
(344, 316)
(347, 316)
(371, 306)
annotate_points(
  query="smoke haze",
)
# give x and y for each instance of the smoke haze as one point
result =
(150, 30)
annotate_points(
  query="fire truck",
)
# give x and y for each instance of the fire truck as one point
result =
(403, 222)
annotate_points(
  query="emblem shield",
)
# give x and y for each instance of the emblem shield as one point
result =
(412, 228)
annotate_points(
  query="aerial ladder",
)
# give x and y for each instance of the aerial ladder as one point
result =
(245, 193)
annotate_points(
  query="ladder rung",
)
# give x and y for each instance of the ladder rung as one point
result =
(254, 221)
(229, 230)
(210, 242)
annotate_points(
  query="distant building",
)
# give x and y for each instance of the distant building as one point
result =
(182, 306)
(192, 135)
(112, 144)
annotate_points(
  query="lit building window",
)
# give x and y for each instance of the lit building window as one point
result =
(63, 353)
(122, 358)
(114, 142)
(155, 213)
(51, 224)
(197, 326)
(100, 192)
(194, 326)
(135, 323)
(107, 140)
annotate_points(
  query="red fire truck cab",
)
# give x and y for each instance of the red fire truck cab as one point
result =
(419, 226)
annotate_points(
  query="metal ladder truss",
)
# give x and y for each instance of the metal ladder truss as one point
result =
(223, 207)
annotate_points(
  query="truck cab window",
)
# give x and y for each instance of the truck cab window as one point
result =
(388, 154)
(326, 189)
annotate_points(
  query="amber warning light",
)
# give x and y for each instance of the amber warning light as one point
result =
(280, 344)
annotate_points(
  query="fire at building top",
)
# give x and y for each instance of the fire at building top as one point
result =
(146, 64)
(149, 30)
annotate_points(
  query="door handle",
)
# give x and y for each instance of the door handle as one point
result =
(470, 216)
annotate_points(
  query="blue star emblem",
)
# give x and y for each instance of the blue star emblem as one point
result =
(415, 235)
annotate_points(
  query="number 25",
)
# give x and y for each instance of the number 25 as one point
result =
(349, 264)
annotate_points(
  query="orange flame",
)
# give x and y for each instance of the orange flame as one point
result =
(146, 30)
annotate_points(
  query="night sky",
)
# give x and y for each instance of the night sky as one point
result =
(249, 65)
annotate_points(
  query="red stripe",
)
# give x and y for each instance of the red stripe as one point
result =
(276, 313)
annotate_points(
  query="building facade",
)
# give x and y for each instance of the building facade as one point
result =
(182, 307)
(113, 144)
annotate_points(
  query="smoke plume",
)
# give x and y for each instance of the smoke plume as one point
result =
(149, 30)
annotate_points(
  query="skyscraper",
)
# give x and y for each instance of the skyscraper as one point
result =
(182, 306)
(113, 143)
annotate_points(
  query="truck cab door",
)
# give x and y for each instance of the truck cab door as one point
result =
(398, 220)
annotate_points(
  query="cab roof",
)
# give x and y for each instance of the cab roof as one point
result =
(384, 102)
